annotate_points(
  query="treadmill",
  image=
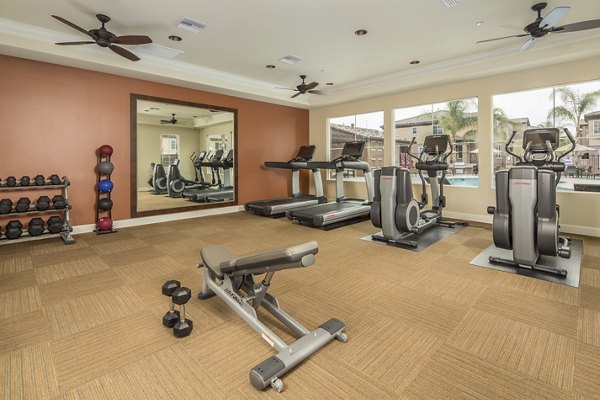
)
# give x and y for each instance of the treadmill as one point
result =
(344, 210)
(278, 207)
(222, 187)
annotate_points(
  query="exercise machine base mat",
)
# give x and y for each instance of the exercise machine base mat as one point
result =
(571, 265)
(424, 240)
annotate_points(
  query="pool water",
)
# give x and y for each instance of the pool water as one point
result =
(458, 181)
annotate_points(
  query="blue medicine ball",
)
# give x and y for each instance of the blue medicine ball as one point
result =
(105, 185)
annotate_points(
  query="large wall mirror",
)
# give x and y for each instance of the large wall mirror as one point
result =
(183, 156)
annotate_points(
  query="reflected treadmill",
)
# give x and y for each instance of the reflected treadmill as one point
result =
(345, 210)
(223, 191)
(278, 207)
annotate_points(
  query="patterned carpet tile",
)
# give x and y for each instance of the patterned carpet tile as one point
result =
(453, 374)
(23, 331)
(83, 285)
(530, 309)
(20, 301)
(532, 351)
(28, 374)
(587, 371)
(589, 327)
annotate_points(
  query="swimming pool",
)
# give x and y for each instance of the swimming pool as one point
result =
(466, 181)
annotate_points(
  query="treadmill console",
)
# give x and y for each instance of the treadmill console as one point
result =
(535, 140)
(353, 150)
(305, 153)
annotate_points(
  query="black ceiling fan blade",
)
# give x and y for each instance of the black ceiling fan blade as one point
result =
(319, 92)
(132, 39)
(285, 88)
(125, 53)
(72, 25)
(503, 37)
(297, 94)
(74, 43)
(311, 85)
(578, 26)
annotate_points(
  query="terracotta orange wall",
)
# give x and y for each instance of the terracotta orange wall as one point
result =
(53, 118)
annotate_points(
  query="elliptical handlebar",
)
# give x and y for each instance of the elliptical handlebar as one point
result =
(573, 144)
(509, 151)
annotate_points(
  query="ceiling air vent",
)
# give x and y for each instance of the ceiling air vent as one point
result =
(191, 25)
(450, 3)
(290, 59)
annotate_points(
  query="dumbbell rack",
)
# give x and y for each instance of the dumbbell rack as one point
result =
(102, 157)
(65, 233)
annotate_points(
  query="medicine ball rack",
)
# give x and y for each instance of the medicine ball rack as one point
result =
(100, 195)
(67, 228)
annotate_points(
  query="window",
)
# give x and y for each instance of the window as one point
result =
(455, 118)
(169, 149)
(363, 127)
(596, 127)
(568, 107)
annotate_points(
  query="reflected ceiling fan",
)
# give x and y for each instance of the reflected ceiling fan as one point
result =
(103, 38)
(304, 88)
(543, 26)
(171, 121)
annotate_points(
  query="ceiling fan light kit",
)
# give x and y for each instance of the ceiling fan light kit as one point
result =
(543, 26)
(104, 38)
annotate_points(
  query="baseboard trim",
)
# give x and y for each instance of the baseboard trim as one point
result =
(126, 223)
(487, 219)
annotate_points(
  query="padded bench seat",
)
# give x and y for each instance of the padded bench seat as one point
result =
(222, 262)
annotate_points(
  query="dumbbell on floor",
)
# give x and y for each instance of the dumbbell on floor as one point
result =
(172, 316)
(184, 326)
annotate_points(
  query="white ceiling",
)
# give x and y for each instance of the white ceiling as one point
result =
(244, 36)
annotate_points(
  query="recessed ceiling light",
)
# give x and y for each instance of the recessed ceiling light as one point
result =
(479, 23)
(270, 66)
(414, 62)
(290, 59)
(360, 32)
(175, 38)
(329, 83)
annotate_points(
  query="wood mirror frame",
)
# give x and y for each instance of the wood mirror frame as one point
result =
(134, 97)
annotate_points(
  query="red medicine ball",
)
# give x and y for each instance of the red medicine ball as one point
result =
(104, 224)
(105, 150)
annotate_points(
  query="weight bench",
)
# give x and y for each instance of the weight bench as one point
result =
(232, 280)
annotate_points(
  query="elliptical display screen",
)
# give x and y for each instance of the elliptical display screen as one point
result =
(305, 153)
(435, 144)
(539, 137)
(353, 149)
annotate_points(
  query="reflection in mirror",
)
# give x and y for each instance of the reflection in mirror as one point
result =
(184, 155)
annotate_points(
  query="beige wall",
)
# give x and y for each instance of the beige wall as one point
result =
(580, 212)
(148, 149)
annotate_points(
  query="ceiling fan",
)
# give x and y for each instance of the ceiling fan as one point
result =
(304, 88)
(543, 26)
(171, 121)
(103, 38)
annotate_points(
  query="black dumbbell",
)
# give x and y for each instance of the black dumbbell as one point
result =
(36, 227)
(55, 224)
(25, 180)
(184, 326)
(54, 179)
(22, 204)
(59, 201)
(39, 180)
(42, 203)
(172, 316)
(5, 206)
(13, 229)
(11, 181)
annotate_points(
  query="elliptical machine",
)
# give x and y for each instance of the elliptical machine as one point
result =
(526, 214)
(396, 211)
(158, 180)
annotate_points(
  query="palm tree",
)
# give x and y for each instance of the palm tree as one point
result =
(457, 119)
(502, 124)
(574, 105)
